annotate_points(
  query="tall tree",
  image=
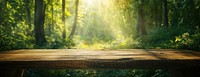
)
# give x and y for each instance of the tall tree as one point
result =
(141, 20)
(39, 18)
(63, 19)
(165, 13)
(27, 6)
(155, 11)
(75, 20)
(52, 12)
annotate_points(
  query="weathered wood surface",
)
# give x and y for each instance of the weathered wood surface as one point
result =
(74, 58)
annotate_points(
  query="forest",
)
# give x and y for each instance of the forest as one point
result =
(99, 24)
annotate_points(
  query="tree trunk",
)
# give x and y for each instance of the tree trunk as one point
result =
(75, 20)
(63, 19)
(39, 18)
(50, 21)
(27, 6)
(52, 12)
(141, 20)
(155, 9)
(165, 13)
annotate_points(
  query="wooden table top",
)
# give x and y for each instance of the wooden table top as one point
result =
(79, 58)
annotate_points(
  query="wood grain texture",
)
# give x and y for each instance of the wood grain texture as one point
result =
(123, 59)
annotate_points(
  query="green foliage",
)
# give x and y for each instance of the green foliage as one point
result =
(95, 73)
(157, 39)
(61, 44)
(187, 41)
(57, 44)
(184, 40)
(16, 33)
(170, 38)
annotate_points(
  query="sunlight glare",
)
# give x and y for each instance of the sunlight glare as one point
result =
(103, 25)
(96, 2)
(88, 2)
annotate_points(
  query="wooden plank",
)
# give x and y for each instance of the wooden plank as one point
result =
(73, 58)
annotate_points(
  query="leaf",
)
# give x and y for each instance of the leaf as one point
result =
(178, 39)
(67, 13)
(185, 34)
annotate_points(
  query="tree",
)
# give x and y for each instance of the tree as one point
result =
(49, 17)
(52, 12)
(156, 12)
(141, 20)
(39, 18)
(63, 19)
(27, 6)
(75, 20)
(165, 13)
